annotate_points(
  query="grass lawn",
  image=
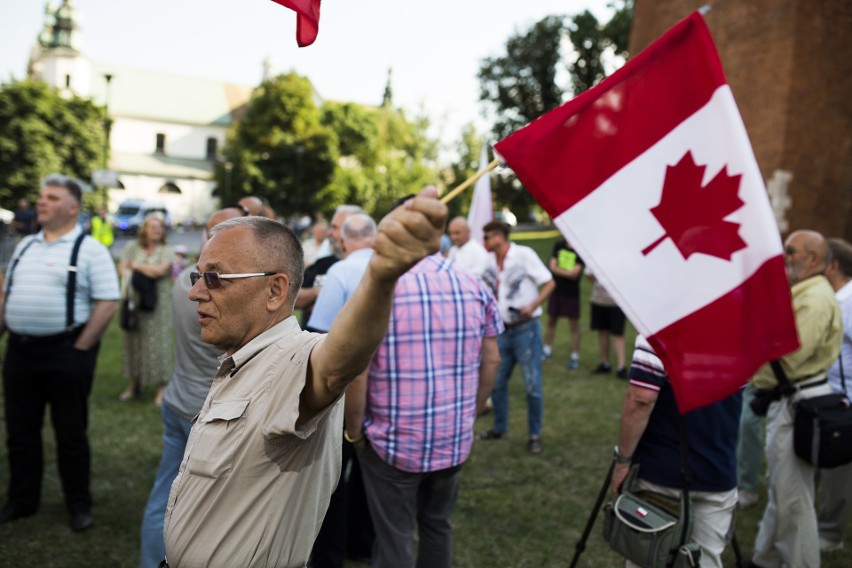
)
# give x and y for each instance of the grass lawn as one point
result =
(514, 509)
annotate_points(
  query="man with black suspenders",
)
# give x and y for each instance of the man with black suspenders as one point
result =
(61, 292)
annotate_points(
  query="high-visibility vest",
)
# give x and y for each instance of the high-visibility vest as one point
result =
(102, 231)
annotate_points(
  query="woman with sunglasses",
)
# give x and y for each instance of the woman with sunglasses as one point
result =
(148, 348)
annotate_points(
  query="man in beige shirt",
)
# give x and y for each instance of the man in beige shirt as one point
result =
(264, 454)
(788, 531)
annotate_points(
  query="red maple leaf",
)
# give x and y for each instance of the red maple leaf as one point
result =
(694, 216)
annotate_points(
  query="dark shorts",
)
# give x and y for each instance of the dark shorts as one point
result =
(563, 306)
(608, 318)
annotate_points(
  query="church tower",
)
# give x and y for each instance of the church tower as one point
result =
(56, 58)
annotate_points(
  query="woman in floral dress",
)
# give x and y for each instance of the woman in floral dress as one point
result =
(148, 348)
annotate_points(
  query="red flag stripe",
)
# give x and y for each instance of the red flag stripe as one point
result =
(639, 104)
(710, 356)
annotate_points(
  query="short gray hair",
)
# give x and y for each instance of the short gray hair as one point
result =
(276, 241)
(358, 227)
(348, 209)
(69, 183)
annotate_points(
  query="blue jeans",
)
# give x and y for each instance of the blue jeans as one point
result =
(175, 434)
(521, 344)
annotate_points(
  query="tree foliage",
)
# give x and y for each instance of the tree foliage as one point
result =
(522, 84)
(42, 132)
(383, 154)
(280, 149)
(308, 159)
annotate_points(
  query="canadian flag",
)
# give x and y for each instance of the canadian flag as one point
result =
(307, 21)
(651, 177)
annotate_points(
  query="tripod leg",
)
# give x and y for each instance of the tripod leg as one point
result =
(581, 544)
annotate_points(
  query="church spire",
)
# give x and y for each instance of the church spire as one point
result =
(387, 98)
(61, 28)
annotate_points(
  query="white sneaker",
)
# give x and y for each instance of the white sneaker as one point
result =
(746, 499)
(829, 546)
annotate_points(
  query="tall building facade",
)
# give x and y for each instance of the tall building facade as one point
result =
(789, 64)
(165, 131)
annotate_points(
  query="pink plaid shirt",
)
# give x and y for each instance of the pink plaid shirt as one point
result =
(421, 394)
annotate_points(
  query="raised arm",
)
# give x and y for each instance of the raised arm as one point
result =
(406, 235)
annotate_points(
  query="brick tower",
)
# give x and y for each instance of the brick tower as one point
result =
(789, 64)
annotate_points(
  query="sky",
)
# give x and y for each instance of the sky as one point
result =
(433, 47)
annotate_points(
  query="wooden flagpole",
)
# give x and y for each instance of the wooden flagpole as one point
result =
(470, 181)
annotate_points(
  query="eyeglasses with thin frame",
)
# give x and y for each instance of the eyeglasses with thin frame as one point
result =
(213, 279)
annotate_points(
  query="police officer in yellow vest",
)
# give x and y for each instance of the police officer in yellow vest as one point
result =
(101, 228)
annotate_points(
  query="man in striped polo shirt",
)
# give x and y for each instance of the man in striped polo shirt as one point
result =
(411, 419)
(60, 294)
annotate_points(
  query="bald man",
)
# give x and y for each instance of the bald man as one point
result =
(196, 363)
(256, 206)
(466, 253)
(356, 238)
(788, 532)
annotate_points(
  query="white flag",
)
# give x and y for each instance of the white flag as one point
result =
(481, 210)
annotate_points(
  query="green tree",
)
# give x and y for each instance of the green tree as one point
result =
(42, 132)
(383, 154)
(521, 85)
(280, 149)
(593, 39)
(587, 36)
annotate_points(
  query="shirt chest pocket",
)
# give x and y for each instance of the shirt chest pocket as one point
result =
(218, 436)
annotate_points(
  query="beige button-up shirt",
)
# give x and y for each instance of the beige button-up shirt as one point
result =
(253, 488)
(820, 328)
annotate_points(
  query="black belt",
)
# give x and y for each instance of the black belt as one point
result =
(45, 339)
(517, 323)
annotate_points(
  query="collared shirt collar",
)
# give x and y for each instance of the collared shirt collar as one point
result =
(245, 353)
(69, 236)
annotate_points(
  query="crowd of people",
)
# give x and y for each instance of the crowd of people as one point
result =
(265, 462)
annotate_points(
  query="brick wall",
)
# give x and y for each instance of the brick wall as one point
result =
(789, 64)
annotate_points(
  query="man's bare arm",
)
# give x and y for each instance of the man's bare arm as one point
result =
(487, 371)
(638, 405)
(353, 410)
(405, 236)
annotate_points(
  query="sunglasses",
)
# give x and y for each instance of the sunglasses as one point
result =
(213, 280)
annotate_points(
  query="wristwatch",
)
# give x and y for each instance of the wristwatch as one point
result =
(619, 457)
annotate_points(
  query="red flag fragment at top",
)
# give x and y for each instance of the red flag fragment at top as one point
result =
(307, 20)
(651, 177)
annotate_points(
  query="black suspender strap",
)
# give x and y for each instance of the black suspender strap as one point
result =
(11, 271)
(72, 283)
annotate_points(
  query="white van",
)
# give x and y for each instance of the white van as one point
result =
(130, 214)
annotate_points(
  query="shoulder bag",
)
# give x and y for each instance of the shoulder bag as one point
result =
(649, 529)
(822, 425)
